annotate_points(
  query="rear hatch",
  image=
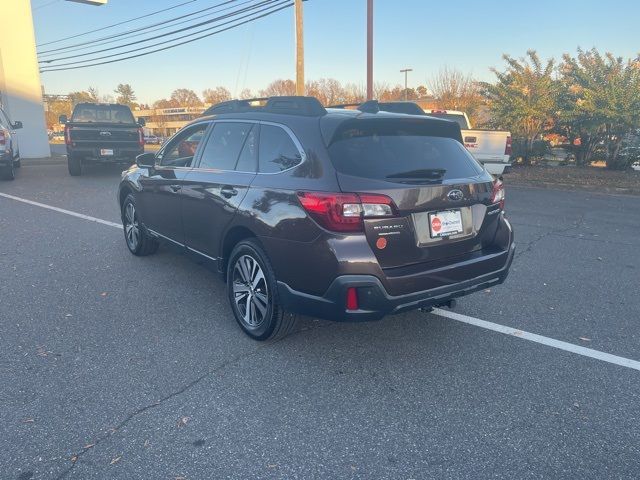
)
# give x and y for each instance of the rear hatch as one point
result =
(441, 198)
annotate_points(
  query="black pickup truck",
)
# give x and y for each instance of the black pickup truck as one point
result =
(101, 133)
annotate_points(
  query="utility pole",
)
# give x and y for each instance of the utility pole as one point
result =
(299, 49)
(369, 49)
(406, 71)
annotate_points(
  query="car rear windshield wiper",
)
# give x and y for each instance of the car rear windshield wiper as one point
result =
(429, 173)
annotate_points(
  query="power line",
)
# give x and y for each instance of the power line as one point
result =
(117, 24)
(137, 42)
(139, 31)
(45, 5)
(287, 5)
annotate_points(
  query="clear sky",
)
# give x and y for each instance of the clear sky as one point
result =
(425, 35)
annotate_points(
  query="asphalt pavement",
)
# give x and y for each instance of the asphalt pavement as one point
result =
(118, 367)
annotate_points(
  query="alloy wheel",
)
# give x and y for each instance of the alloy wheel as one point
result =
(131, 227)
(250, 291)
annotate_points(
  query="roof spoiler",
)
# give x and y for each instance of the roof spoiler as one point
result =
(287, 105)
(370, 106)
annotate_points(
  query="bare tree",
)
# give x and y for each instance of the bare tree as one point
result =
(456, 90)
(216, 95)
(279, 88)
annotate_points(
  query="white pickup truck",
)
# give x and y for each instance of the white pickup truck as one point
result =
(492, 148)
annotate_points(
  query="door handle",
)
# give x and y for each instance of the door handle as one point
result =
(228, 191)
(175, 188)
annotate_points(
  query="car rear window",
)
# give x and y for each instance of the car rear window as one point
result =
(400, 152)
(102, 113)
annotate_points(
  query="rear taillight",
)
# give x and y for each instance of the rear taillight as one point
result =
(67, 135)
(3, 138)
(497, 195)
(507, 148)
(345, 212)
(140, 137)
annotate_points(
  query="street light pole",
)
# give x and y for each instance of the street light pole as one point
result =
(406, 71)
(299, 49)
(369, 49)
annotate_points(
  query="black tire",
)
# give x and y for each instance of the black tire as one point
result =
(8, 171)
(138, 240)
(274, 323)
(75, 165)
(17, 163)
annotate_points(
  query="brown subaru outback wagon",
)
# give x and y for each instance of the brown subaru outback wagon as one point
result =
(346, 215)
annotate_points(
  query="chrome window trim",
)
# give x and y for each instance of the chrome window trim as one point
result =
(296, 142)
(196, 155)
(294, 139)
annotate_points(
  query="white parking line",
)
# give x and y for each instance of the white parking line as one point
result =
(62, 210)
(496, 327)
(532, 337)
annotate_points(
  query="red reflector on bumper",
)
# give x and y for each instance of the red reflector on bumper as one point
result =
(352, 298)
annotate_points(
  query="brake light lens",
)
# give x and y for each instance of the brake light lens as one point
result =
(345, 212)
(67, 135)
(140, 137)
(507, 148)
(352, 298)
(497, 195)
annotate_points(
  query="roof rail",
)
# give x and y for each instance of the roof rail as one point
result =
(291, 105)
(345, 105)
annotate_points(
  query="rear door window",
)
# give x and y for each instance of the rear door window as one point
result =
(277, 151)
(400, 152)
(224, 149)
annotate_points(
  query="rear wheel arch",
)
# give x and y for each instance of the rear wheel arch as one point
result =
(234, 236)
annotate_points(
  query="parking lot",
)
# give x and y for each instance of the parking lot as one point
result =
(120, 367)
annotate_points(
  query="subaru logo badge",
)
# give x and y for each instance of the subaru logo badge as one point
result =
(455, 195)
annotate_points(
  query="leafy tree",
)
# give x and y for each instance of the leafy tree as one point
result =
(79, 97)
(216, 95)
(524, 98)
(125, 94)
(600, 102)
(186, 98)
(164, 103)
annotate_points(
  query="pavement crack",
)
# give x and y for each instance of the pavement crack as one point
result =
(556, 231)
(75, 458)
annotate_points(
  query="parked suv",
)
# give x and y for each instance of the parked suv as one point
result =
(9, 151)
(337, 214)
(101, 133)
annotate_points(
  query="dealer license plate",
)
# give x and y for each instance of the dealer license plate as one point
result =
(445, 223)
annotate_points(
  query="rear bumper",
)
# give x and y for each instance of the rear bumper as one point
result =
(375, 302)
(120, 155)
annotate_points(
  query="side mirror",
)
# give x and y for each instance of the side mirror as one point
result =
(142, 122)
(63, 119)
(17, 125)
(146, 160)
